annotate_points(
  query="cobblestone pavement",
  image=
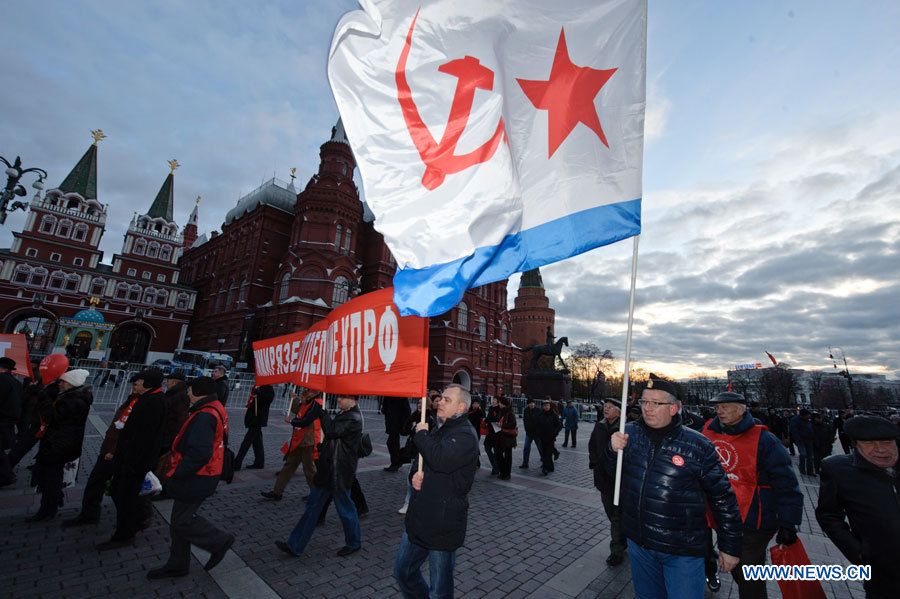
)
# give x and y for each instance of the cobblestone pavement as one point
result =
(532, 536)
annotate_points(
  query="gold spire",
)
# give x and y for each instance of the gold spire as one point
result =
(98, 135)
(197, 201)
(173, 164)
(293, 174)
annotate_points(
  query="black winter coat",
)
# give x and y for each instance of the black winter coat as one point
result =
(475, 418)
(196, 448)
(30, 416)
(506, 437)
(65, 415)
(396, 410)
(801, 430)
(11, 396)
(529, 416)
(779, 490)
(137, 449)
(597, 445)
(547, 425)
(438, 514)
(859, 510)
(177, 406)
(222, 389)
(257, 413)
(339, 449)
(666, 489)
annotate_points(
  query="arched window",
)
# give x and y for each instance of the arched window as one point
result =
(347, 235)
(482, 328)
(285, 286)
(38, 276)
(23, 272)
(80, 232)
(134, 293)
(149, 295)
(337, 239)
(162, 297)
(140, 246)
(97, 287)
(182, 301)
(48, 224)
(341, 291)
(242, 296)
(462, 316)
(72, 282)
(166, 252)
(64, 229)
(56, 280)
(153, 249)
(122, 291)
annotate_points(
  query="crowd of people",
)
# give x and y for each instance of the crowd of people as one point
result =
(701, 493)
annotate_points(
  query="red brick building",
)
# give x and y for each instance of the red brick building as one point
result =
(53, 271)
(531, 317)
(283, 260)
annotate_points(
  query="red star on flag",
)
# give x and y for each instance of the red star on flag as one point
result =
(568, 95)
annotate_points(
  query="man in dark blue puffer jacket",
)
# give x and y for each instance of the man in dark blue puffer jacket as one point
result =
(670, 474)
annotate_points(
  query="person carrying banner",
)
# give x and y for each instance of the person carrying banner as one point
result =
(396, 411)
(858, 505)
(670, 474)
(603, 429)
(197, 456)
(435, 524)
(256, 417)
(302, 447)
(11, 397)
(764, 482)
(335, 475)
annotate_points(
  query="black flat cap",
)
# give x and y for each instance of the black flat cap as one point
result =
(176, 376)
(152, 377)
(7, 363)
(728, 397)
(613, 401)
(662, 385)
(871, 428)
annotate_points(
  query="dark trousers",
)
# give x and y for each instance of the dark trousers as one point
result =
(95, 488)
(253, 437)
(25, 440)
(845, 441)
(356, 494)
(131, 508)
(617, 543)
(504, 460)
(7, 441)
(393, 445)
(186, 529)
(753, 552)
(49, 479)
(574, 433)
(545, 446)
(489, 450)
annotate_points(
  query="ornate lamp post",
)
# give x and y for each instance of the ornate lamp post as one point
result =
(844, 373)
(14, 173)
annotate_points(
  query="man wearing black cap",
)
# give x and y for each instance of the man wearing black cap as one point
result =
(761, 473)
(11, 396)
(137, 452)
(858, 506)
(670, 476)
(603, 430)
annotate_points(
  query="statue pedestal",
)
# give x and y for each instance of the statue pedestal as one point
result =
(541, 383)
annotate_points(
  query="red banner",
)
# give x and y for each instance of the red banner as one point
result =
(363, 347)
(15, 347)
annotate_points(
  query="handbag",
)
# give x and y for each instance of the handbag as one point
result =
(365, 446)
(795, 555)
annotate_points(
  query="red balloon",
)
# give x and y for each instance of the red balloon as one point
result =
(52, 367)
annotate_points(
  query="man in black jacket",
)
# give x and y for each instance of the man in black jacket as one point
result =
(137, 452)
(220, 376)
(529, 417)
(197, 458)
(10, 412)
(439, 508)
(177, 406)
(858, 506)
(670, 474)
(603, 430)
(396, 411)
(256, 417)
(547, 426)
(335, 475)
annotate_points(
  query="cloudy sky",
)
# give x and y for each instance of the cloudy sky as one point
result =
(771, 176)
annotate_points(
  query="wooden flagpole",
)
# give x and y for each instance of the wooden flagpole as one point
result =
(623, 416)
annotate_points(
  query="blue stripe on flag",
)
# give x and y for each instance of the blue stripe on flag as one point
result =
(437, 289)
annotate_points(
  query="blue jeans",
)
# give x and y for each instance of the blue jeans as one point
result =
(408, 574)
(346, 510)
(526, 451)
(658, 575)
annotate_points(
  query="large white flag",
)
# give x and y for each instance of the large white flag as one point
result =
(492, 137)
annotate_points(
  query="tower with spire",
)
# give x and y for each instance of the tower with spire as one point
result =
(532, 314)
(190, 229)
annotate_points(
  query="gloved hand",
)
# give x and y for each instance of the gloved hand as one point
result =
(786, 536)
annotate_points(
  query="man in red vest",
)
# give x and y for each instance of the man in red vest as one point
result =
(301, 448)
(196, 465)
(763, 479)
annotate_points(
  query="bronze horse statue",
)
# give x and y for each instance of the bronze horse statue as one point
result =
(549, 349)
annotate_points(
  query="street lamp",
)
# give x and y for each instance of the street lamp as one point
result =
(844, 373)
(14, 172)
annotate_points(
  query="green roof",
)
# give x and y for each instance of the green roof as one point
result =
(83, 178)
(531, 278)
(164, 203)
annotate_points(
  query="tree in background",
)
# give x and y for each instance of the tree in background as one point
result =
(779, 386)
(590, 367)
(832, 394)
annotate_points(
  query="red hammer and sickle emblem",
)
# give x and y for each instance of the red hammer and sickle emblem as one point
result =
(439, 158)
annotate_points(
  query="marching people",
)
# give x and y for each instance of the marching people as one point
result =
(839, 423)
(396, 411)
(570, 423)
(803, 437)
(220, 376)
(603, 430)
(546, 427)
(823, 440)
(302, 447)
(335, 475)
(670, 474)
(104, 467)
(505, 439)
(489, 431)
(764, 482)
(529, 418)
(256, 417)
(449, 454)
(137, 452)
(196, 464)
(858, 505)
(63, 418)
(11, 398)
(410, 448)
